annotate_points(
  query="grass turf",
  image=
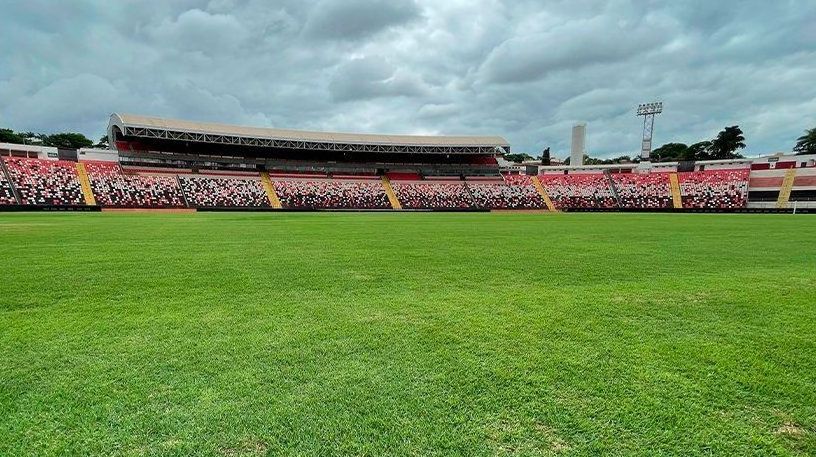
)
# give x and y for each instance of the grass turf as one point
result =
(368, 334)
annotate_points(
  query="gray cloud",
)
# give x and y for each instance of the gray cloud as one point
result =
(353, 19)
(523, 69)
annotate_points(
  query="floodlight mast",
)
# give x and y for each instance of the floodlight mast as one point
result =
(648, 111)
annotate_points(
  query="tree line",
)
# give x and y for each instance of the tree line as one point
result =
(726, 145)
(63, 140)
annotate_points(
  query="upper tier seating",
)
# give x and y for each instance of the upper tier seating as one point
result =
(513, 193)
(579, 191)
(45, 182)
(714, 189)
(113, 188)
(643, 190)
(432, 195)
(303, 194)
(223, 192)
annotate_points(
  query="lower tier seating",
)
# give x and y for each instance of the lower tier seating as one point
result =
(577, 191)
(6, 194)
(307, 194)
(643, 190)
(45, 182)
(714, 189)
(114, 189)
(223, 192)
(505, 196)
(432, 195)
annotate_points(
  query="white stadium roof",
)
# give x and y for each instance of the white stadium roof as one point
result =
(173, 129)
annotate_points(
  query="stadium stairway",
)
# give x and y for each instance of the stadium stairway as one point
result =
(677, 200)
(85, 182)
(389, 191)
(543, 193)
(269, 188)
(785, 190)
(612, 187)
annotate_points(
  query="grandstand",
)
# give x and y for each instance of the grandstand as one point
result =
(172, 164)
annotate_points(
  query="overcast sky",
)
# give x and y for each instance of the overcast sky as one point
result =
(525, 70)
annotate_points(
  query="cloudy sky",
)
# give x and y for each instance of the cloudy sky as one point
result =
(524, 69)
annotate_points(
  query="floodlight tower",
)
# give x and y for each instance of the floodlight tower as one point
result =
(648, 111)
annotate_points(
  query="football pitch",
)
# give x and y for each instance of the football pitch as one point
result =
(407, 334)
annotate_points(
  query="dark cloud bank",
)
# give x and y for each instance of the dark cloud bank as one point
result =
(526, 70)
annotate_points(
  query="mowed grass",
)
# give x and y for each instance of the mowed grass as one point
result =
(407, 334)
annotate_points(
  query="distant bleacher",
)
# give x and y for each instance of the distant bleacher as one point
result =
(331, 194)
(433, 195)
(113, 188)
(579, 191)
(223, 192)
(45, 182)
(643, 190)
(714, 189)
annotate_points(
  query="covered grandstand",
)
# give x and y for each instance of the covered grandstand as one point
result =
(187, 144)
(172, 164)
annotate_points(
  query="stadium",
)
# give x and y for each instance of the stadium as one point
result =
(252, 291)
(166, 164)
(408, 228)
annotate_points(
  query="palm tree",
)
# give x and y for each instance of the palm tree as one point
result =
(806, 144)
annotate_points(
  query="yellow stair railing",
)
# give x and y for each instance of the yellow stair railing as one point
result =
(389, 191)
(543, 193)
(677, 199)
(85, 182)
(269, 188)
(785, 190)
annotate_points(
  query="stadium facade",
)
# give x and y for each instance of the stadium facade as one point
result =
(163, 163)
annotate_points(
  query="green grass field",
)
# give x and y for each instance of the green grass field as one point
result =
(407, 334)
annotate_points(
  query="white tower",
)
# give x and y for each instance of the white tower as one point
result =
(578, 144)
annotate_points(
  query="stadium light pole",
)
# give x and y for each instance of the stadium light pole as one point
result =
(648, 111)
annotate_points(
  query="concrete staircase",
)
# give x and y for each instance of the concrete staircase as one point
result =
(677, 199)
(269, 188)
(85, 182)
(389, 191)
(785, 190)
(543, 193)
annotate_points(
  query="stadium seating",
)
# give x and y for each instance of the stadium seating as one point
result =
(6, 193)
(714, 189)
(326, 194)
(113, 188)
(516, 192)
(579, 191)
(45, 182)
(415, 195)
(643, 190)
(223, 192)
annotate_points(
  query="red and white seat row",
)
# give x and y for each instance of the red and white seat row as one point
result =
(6, 193)
(573, 191)
(115, 189)
(425, 195)
(319, 194)
(505, 195)
(643, 190)
(714, 189)
(45, 182)
(223, 192)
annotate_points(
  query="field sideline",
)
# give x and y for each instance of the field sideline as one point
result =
(425, 333)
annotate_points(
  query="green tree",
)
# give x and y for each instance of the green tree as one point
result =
(670, 152)
(806, 144)
(102, 143)
(728, 141)
(8, 136)
(518, 157)
(67, 140)
(698, 151)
